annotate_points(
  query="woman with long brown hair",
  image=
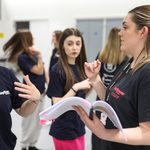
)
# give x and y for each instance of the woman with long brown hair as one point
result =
(67, 78)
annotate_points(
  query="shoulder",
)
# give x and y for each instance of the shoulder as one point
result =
(6, 75)
(57, 71)
(56, 67)
(5, 71)
(55, 50)
(144, 72)
(146, 66)
(23, 55)
(144, 69)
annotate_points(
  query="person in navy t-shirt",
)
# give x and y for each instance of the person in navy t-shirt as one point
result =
(24, 103)
(20, 48)
(67, 78)
(55, 52)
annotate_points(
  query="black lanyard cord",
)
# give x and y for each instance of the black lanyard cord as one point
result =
(116, 78)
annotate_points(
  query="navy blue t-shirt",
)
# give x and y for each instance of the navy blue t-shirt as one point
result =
(69, 125)
(8, 99)
(26, 63)
(54, 58)
(129, 95)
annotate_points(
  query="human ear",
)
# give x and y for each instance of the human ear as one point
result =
(144, 31)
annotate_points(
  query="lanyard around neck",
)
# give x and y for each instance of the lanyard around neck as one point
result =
(118, 76)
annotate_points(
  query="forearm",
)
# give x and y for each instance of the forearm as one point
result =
(46, 76)
(138, 136)
(27, 108)
(130, 136)
(99, 87)
(68, 94)
(40, 65)
(83, 85)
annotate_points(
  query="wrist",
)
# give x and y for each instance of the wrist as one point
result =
(95, 79)
(73, 89)
(34, 102)
(40, 57)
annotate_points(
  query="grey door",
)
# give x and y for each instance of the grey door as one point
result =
(92, 34)
(95, 33)
(113, 22)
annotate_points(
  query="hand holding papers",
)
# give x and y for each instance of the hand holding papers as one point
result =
(66, 104)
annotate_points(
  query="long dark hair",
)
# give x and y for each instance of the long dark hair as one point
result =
(19, 42)
(81, 59)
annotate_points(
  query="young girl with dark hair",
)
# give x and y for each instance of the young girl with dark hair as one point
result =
(68, 79)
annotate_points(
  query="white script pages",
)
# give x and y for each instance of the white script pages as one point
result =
(66, 104)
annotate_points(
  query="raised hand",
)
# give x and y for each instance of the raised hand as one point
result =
(92, 69)
(28, 90)
(33, 51)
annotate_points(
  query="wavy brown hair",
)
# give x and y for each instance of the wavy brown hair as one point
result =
(80, 60)
(57, 36)
(19, 42)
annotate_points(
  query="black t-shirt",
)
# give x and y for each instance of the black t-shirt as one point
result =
(8, 99)
(107, 73)
(129, 96)
(26, 63)
(69, 125)
(54, 58)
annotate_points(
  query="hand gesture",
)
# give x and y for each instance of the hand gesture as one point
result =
(28, 90)
(83, 85)
(92, 69)
(95, 125)
(33, 51)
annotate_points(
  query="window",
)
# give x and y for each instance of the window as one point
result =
(22, 25)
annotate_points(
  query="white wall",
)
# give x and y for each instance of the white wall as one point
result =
(60, 13)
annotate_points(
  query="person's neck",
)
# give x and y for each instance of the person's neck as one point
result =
(71, 61)
(137, 59)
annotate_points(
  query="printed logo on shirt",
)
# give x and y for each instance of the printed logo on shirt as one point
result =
(107, 78)
(4, 93)
(117, 93)
(110, 67)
